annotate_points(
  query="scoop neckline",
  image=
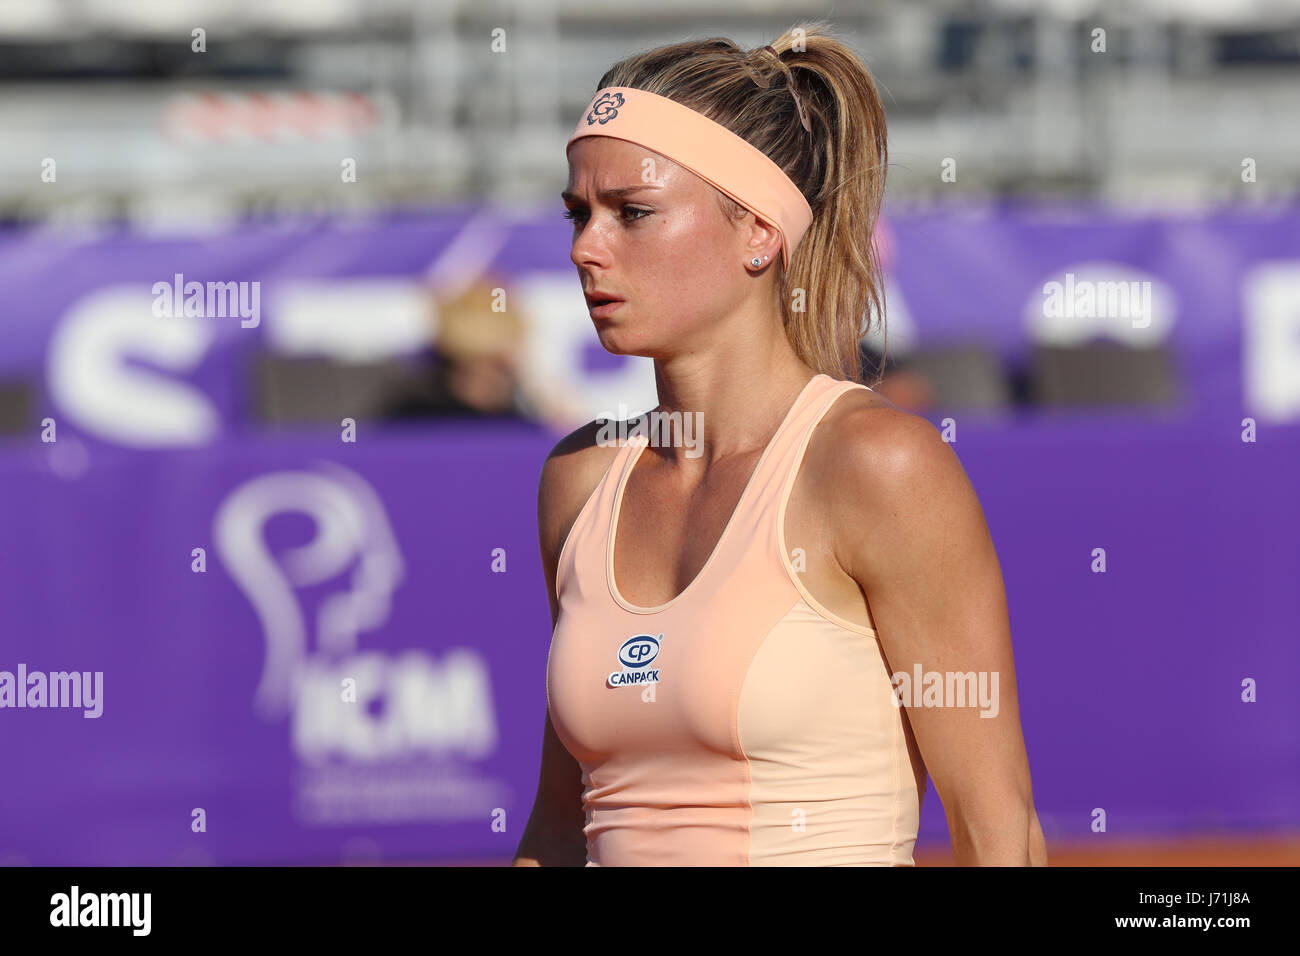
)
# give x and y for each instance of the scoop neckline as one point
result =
(641, 443)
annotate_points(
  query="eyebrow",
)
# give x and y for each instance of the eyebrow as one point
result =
(616, 193)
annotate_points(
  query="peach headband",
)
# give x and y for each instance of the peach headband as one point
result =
(708, 149)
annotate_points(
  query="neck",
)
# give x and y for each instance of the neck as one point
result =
(734, 405)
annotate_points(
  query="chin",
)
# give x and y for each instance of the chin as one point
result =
(617, 341)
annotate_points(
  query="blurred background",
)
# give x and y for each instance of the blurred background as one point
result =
(288, 325)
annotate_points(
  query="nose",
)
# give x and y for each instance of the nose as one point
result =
(589, 246)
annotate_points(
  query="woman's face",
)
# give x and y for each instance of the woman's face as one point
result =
(665, 248)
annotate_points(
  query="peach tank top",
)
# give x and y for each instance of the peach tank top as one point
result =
(740, 723)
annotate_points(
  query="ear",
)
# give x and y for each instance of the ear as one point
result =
(762, 239)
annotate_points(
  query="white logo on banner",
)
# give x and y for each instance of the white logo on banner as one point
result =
(359, 761)
(1270, 348)
(92, 383)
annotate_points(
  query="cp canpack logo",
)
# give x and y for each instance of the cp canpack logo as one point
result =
(636, 655)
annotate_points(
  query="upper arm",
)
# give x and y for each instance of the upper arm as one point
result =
(569, 475)
(550, 523)
(567, 480)
(920, 548)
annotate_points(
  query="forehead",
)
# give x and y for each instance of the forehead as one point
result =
(614, 165)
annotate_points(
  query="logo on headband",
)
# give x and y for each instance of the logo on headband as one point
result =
(605, 108)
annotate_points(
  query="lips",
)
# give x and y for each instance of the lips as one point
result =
(604, 310)
(600, 298)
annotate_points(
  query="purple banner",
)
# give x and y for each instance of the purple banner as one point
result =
(145, 342)
(271, 646)
(354, 662)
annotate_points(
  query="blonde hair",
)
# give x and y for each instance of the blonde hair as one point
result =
(838, 165)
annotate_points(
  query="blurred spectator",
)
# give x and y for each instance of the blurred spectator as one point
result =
(479, 368)
(475, 372)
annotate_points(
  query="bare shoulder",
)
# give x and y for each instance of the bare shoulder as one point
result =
(569, 475)
(885, 469)
(866, 436)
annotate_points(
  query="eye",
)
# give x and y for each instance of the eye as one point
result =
(574, 215)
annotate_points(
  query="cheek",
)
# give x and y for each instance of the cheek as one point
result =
(689, 251)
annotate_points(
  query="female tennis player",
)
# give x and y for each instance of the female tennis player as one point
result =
(763, 638)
